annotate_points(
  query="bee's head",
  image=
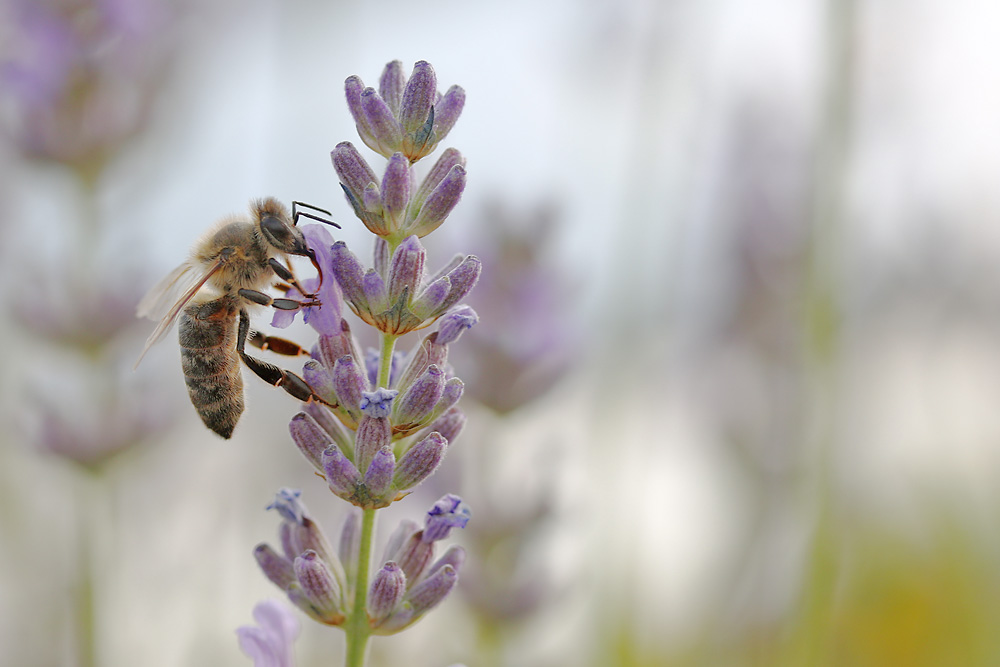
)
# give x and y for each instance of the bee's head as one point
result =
(283, 235)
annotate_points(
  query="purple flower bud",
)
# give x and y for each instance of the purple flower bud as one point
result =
(333, 347)
(371, 199)
(375, 293)
(447, 110)
(353, 87)
(418, 97)
(432, 590)
(449, 158)
(463, 278)
(387, 590)
(377, 404)
(395, 190)
(276, 567)
(380, 256)
(385, 130)
(404, 531)
(326, 421)
(271, 642)
(309, 438)
(348, 383)
(340, 473)
(309, 537)
(352, 169)
(448, 512)
(428, 353)
(449, 424)
(319, 380)
(373, 434)
(453, 390)
(287, 504)
(391, 85)
(347, 546)
(407, 268)
(429, 301)
(398, 620)
(454, 322)
(414, 556)
(439, 203)
(348, 272)
(420, 398)
(418, 463)
(320, 586)
(378, 477)
(453, 556)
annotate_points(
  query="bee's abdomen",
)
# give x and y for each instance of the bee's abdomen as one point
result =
(211, 366)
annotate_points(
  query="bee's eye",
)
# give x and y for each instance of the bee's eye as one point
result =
(283, 237)
(276, 232)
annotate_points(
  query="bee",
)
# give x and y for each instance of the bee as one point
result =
(208, 295)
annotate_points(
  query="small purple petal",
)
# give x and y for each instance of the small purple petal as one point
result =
(287, 504)
(448, 512)
(454, 323)
(271, 642)
(378, 403)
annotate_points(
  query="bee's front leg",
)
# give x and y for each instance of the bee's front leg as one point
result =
(285, 273)
(281, 303)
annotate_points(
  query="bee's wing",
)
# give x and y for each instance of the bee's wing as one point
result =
(161, 296)
(155, 302)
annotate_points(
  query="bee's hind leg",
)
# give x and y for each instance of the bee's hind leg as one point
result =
(275, 344)
(270, 373)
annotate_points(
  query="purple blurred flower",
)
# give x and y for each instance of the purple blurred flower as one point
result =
(80, 77)
(528, 338)
(270, 642)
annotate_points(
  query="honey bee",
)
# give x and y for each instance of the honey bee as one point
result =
(209, 293)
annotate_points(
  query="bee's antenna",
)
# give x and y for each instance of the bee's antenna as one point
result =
(296, 213)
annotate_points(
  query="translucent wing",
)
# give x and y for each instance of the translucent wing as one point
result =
(184, 277)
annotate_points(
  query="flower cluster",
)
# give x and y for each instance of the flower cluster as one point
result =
(320, 580)
(379, 423)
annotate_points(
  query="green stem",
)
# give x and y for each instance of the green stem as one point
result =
(385, 359)
(357, 628)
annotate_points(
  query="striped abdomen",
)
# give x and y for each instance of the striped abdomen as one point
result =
(211, 365)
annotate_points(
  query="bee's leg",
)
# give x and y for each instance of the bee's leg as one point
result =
(270, 373)
(285, 273)
(275, 344)
(281, 304)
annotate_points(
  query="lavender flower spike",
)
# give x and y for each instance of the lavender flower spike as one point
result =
(270, 642)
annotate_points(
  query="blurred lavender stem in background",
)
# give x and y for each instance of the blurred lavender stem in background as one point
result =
(77, 83)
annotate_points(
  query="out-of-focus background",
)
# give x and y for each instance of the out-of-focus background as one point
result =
(733, 396)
